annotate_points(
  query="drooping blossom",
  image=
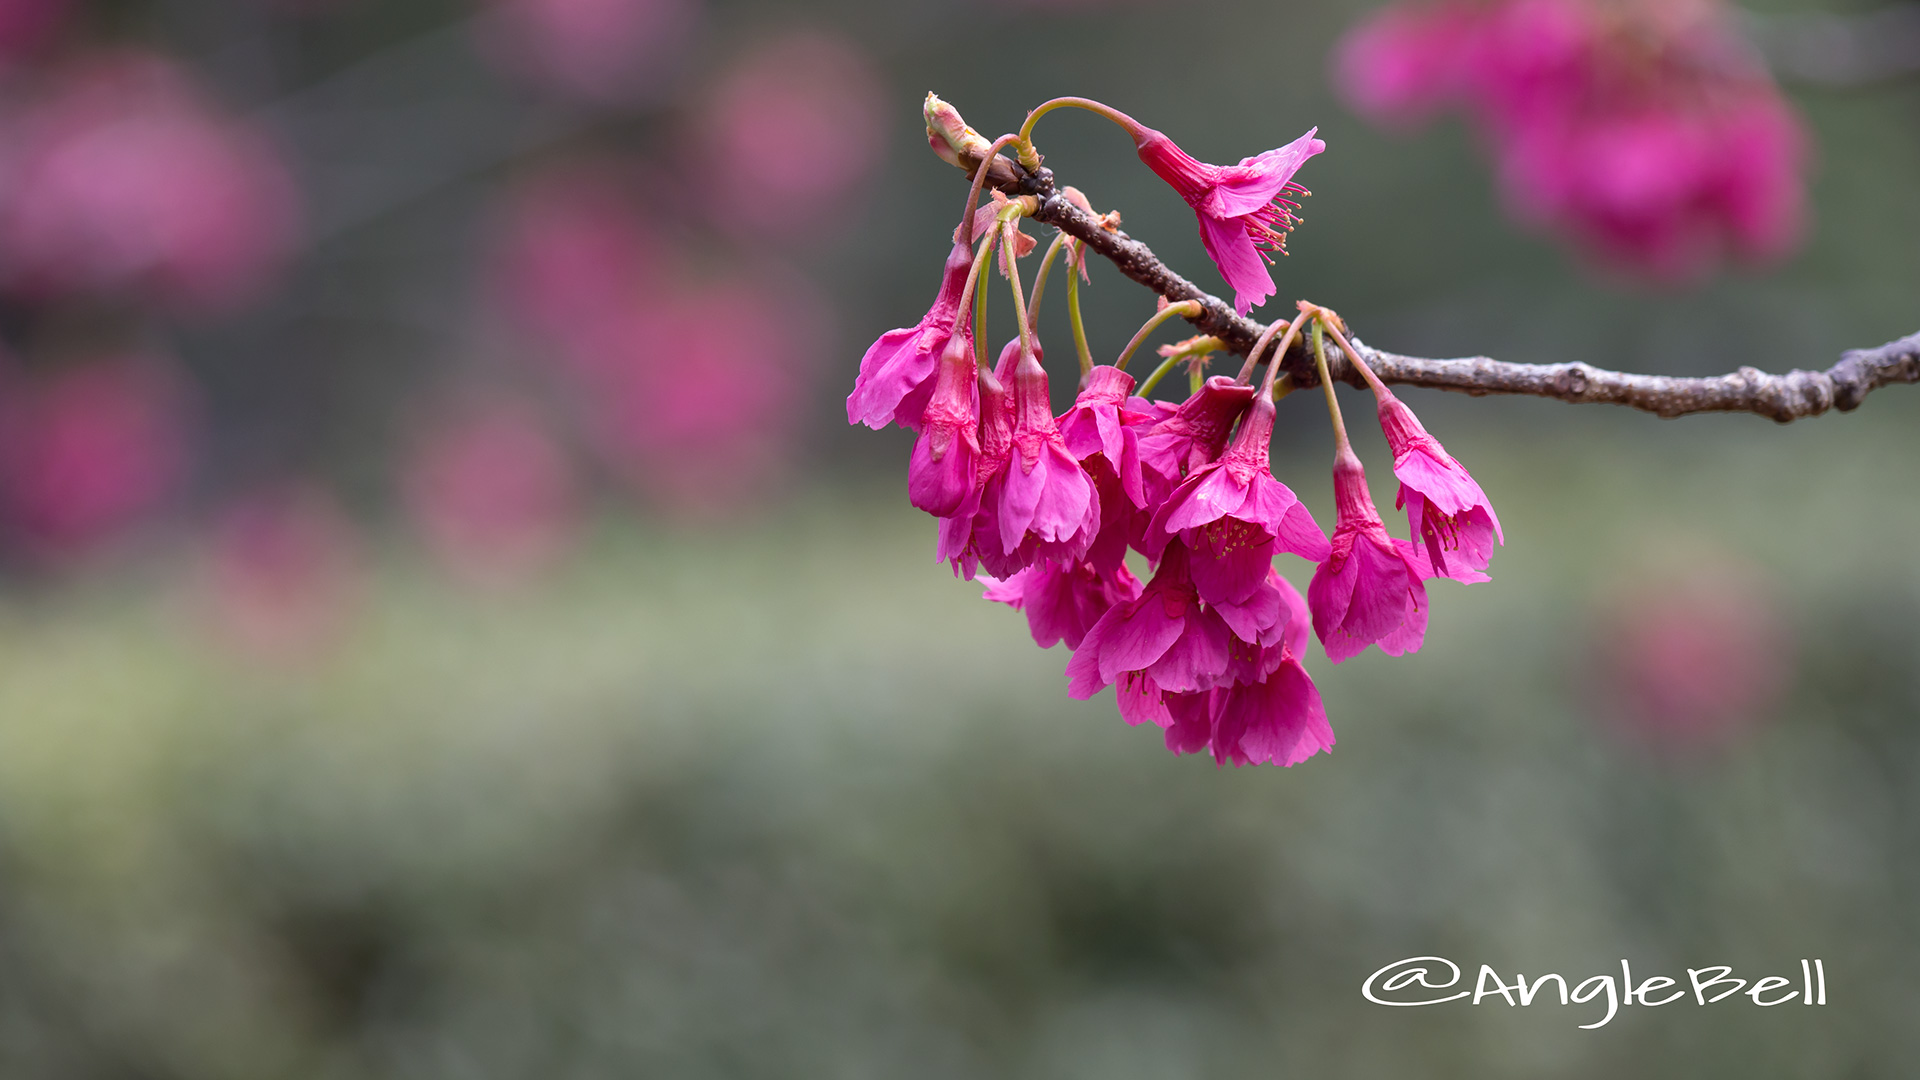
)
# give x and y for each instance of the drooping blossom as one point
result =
(1190, 435)
(1233, 515)
(123, 181)
(1245, 210)
(1102, 431)
(943, 474)
(1036, 504)
(1048, 505)
(491, 492)
(792, 126)
(1162, 643)
(1446, 510)
(88, 452)
(601, 52)
(1370, 590)
(283, 573)
(897, 373)
(1276, 721)
(1644, 129)
(1063, 602)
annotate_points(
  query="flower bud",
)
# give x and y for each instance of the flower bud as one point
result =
(950, 137)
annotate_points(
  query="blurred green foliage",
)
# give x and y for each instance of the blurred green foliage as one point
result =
(788, 800)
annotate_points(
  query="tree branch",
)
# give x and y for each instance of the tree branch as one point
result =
(1781, 397)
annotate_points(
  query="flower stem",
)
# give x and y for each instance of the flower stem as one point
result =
(973, 193)
(1259, 347)
(1159, 373)
(1183, 309)
(1040, 277)
(1073, 312)
(1373, 381)
(1019, 300)
(1340, 444)
(1030, 158)
(971, 292)
(1284, 386)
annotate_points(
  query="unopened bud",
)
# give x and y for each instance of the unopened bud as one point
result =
(950, 137)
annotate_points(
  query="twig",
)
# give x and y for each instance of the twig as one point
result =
(1781, 397)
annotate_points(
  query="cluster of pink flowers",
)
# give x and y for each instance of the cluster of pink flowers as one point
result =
(1045, 510)
(1644, 129)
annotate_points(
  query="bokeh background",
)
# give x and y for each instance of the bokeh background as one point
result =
(448, 629)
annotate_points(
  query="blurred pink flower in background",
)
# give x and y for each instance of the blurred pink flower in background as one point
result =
(573, 254)
(88, 452)
(692, 391)
(491, 491)
(791, 125)
(25, 25)
(604, 52)
(700, 407)
(120, 180)
(1692, 660)
(1646, 131)
(283, 572)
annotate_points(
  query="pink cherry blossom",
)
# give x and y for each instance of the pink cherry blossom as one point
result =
(1446, 510)
(491, 492)
(1191, 435)
(1233, 515)
(897, 373)
(1276, 721)
(1243, 209)
(1063, 602)
(87, 452)
(970, 539)
(123, 181)
(1048, 505)
(943, 474)
(1162, 642)
(606, 52)
(1371, 587)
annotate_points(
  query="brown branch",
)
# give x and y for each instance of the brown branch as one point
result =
(1782, 397)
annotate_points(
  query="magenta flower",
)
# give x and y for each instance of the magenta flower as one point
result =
(1063, 603)
(1191, 435)
(1103, 421)
(1371, 587)
(1163, 642)
(1243, 209)
(1276, 721)
(1272, 613)
(1048, 509)
(897, 373)
(970, 539)
(942, 475)
(1446, 510)
(1233, 515)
